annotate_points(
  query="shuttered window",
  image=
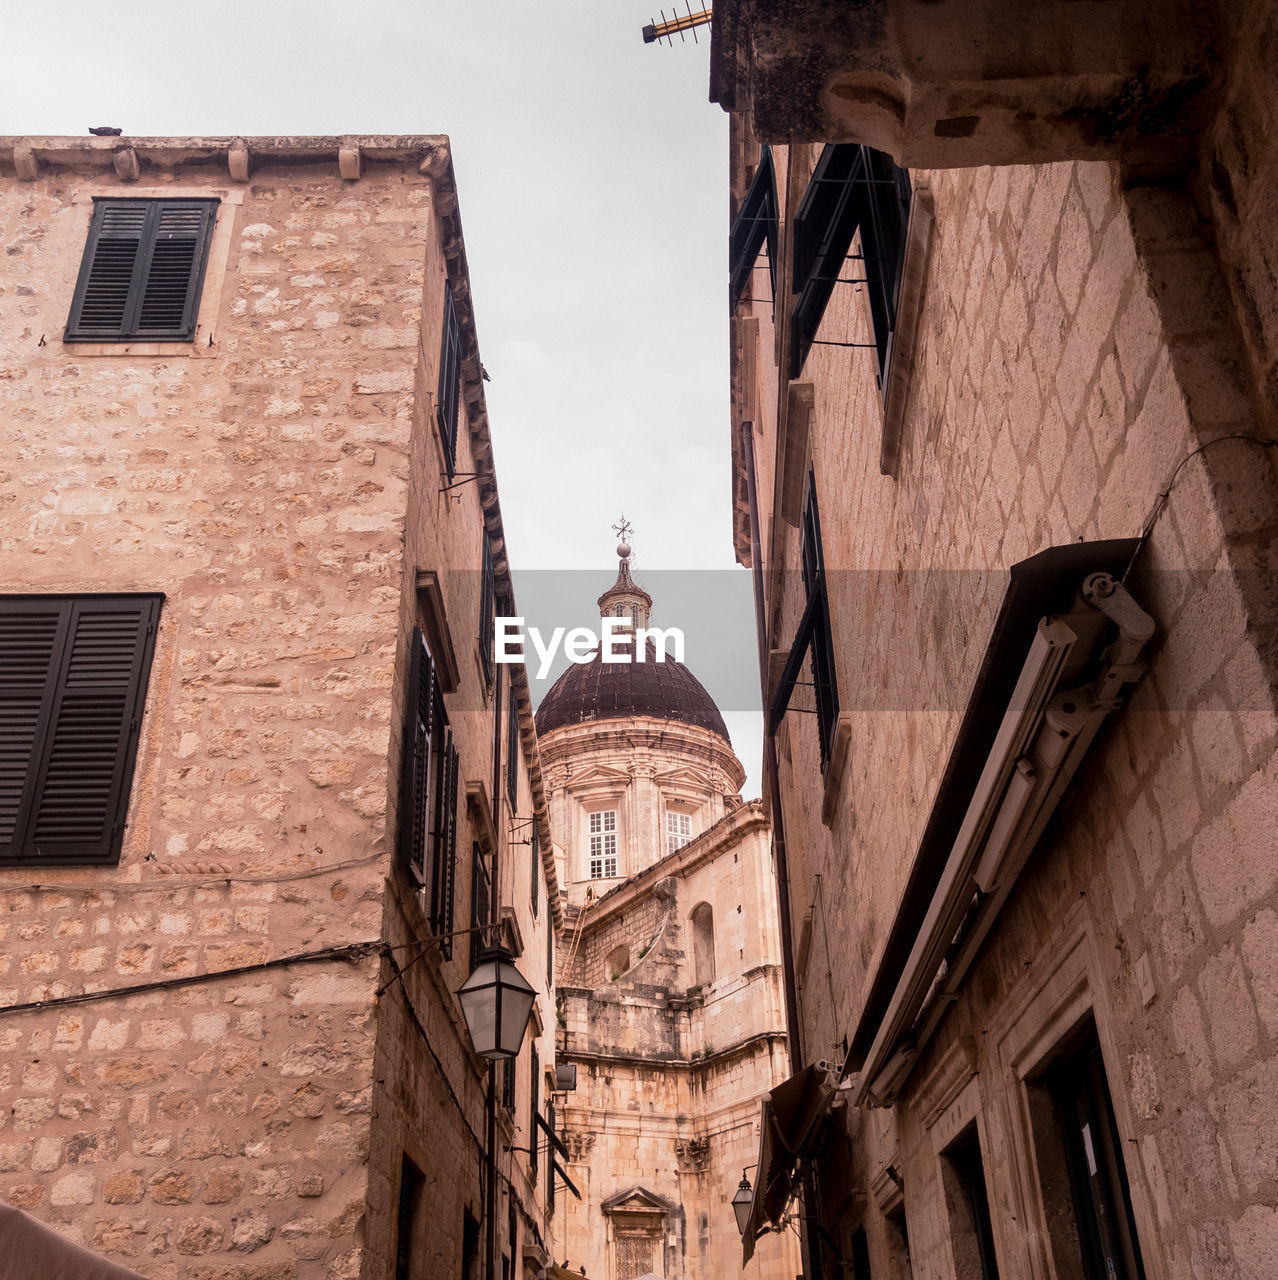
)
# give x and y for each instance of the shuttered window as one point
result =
(487, 608)
(73, 672)
(754, 226)
(534, 1107)
(535, 893)
(142, 271)
(853, 189)
(512, 749)
(449, 381)
(428, 808)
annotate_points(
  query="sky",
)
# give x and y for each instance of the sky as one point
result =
(592, 176)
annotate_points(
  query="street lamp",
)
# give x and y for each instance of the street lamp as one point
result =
(742, 1201)
(496, 1002)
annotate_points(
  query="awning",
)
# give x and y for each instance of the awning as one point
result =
(790, 1117)
(29, 1248)
(562, 1273)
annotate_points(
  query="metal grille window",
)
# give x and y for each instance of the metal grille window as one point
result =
(73, 674)
(678, 830)
(814, 636)
(603, 844)
(853, 189)
(634, 1257)
(449, 392)
(428, 794)
(754, 226)
(142, 271)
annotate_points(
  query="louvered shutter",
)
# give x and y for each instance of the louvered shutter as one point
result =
(414, 811)
(72, 684)
(445, 874)
(534, 1107)
(487, 609)
(449, 380)
(142, 271)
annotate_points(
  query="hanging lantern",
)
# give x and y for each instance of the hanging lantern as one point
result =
(742, 1201)
(496, 1002)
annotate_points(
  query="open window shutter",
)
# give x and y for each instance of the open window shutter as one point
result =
(415, 788)
(32, 634)
(754, 225)
(534, 1137)
(535, 857)
(142, 271)
(487, 607)
(449, 380)
(445, 876)
(169, 297)
(82, 764)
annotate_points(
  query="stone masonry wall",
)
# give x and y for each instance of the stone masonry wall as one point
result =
(1051, 401)
(258, 479)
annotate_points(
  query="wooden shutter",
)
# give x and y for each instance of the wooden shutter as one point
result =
(449, 380)
(444, 870)
(754, 226)
(535, 857)
(414, 808)
(142, 271)
(534, 1137)
(73, 676)
(487, 604)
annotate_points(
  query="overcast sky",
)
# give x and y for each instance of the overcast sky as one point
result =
(592, 178)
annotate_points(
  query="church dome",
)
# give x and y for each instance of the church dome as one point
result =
(598, 690)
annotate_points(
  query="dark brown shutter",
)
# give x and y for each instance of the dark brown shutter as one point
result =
(77, 764)
(535, 842)
(445, 852)
(414, 814)
(534, 1136)
(142, 271)
(487, 608)
(449, 380)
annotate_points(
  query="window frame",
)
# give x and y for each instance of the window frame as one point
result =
(96, 268)
(603, 856)
(683, 838)
(82, 669)
(448, 387)
(852, 188)
(428, 818)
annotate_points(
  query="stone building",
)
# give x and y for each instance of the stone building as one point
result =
(261, 786)
(1004, 332)
(669, 995)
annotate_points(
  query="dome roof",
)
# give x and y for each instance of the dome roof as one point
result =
(598, 690)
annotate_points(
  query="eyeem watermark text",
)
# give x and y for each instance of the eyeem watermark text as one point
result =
(581, 643)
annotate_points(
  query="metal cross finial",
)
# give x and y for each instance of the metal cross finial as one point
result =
(623, 529)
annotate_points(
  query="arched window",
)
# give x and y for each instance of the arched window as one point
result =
(703, 943)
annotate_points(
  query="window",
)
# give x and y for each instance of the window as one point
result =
(703, 943)
(603, 844)
(534, 844)
(853, 188)
(508, 1085)
(142, 271)
(470, 1246)
(678, 830)
(860, 1256)
(971, 1231)
(487, 602)
(449, 392)
(480, 909)
(534, 1108)
(1094, 1158)
(813, 636)
(73, 674)
(411, 1182)
(428, 794)
(512, 749)
(634, 1256)
(754, 226)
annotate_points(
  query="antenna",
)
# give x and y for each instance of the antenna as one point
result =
(676, 24)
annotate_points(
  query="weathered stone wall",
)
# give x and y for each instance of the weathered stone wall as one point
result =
(1053, 396)
(262, 478)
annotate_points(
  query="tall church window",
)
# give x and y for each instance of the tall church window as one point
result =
(703, 943)
(603, 844)
(678, 830)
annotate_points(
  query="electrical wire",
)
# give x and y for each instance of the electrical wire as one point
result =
(1160, 502)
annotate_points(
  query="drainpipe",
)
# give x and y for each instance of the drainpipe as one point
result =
(494, 915)
(812, 1265)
